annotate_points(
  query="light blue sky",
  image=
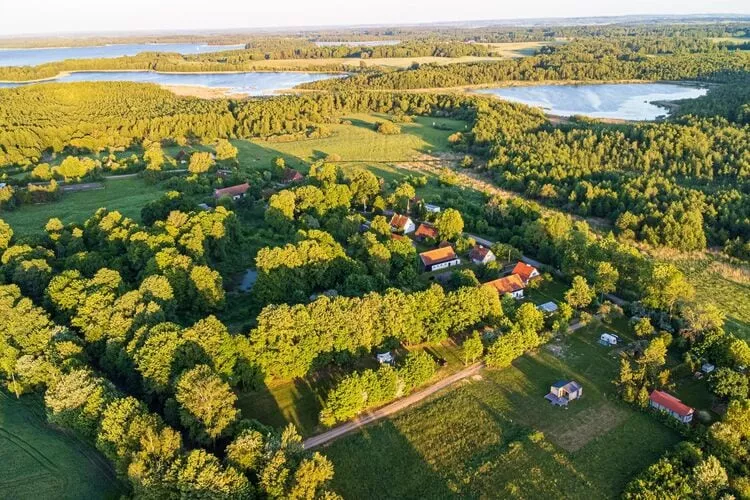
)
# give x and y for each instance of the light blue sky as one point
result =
(65, 16)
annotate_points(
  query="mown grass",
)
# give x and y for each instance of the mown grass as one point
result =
(498, 437)
(39, 462)
(125, 195)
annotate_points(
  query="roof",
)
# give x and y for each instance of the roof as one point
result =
(399, 237)
(671, 403)
(548, 307)
(399, 221)
(385, 357)
(437, 256)
(568, 385)
(508, 284)
(232, 190)
(479, 252)
(524, 271)
(426, 231)
(291, 175)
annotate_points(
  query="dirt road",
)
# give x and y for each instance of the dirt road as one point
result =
(390, 409)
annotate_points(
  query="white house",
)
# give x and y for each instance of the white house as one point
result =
(481, 255)
(525, 272)
(402, 223)
(439, 258)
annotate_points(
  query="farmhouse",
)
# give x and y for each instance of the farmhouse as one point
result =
(510, 284)
(291, 176)
(481, 255)
(562, 392)
(234, 192)
(672, 406)
(426, 232)
(402, 224)
(525, 272)
(439, 258)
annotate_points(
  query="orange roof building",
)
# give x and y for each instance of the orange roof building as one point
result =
(402, 223)
(526, 272)
(426, 232)
(439, 258)
(291, 175)
(512, 285)
(234, 192)
(481, 255)
(674, 407)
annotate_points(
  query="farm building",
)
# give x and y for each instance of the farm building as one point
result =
(402, 224)
(510, 284)
(439, 258)
(234, 192)
(525, 272)
(562, 392)
(481, 255)
(425, 232)
(547, 307)
(672, 406)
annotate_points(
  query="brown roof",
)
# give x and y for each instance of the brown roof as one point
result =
(231, 190)
(291, 175)
(508, 284)
(671, 403)
(426, 231)
(399, 221)
(524, 271)
(437, 256)
(479, 252)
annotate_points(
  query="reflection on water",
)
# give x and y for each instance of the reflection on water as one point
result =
(626, 101)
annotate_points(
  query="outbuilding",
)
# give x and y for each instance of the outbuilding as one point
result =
(607, 339)
(563, 392)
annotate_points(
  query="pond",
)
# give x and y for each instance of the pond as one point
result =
(254, 83)
(248, 280)
(33, 57)
(625, 101)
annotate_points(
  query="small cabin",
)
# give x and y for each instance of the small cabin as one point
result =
(562, 392)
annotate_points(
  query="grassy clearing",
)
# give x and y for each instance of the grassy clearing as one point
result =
(126, 195)
(728, 287)
(39, 462)
(480, 440)
(519, 49)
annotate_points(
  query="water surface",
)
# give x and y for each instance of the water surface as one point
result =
(626, 101)
(254, 83)
(33, 57)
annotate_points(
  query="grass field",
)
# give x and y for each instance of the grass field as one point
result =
(728, 287)
(519, 49)
(126, 195)
(39, 462)
(496, 436)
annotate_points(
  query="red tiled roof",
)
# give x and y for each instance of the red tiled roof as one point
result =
(508, 284)
(437, 256)
(232, 190)
(291, 175)
(524, 271)
(426, 231)
(479, 252)
(399, 237)
(399, 221)
(671, 403)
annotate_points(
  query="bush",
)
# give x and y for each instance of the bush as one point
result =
(388, 128)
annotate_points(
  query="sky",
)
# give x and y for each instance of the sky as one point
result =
(70, 16)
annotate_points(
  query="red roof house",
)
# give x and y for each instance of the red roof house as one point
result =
(481, 255)
(426, 232)
(671, 405)
(525, 272)
(234, 192)
(291, 175)
(402, 223)
(509, 284)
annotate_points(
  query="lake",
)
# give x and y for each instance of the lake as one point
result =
(33, 57)
(369, 43)
(626, 101)
(253, 83)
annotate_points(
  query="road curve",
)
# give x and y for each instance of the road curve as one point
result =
(390, 409)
